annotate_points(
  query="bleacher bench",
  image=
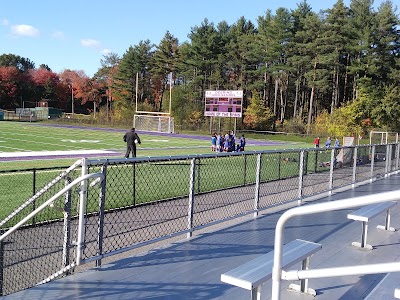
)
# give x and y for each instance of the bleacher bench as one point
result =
(397, 293)
(253, 274)
(365, 214)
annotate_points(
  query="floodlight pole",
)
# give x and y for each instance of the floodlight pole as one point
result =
(170, 101)
(72, 99)
(136, 89)
(136, 97)
(170, 92)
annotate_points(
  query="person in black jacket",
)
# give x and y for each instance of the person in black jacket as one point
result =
(131, 138)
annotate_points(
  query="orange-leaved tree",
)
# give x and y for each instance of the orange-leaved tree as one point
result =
(257, 115)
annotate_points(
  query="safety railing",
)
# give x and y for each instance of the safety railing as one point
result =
(278, 274)
(81, 180)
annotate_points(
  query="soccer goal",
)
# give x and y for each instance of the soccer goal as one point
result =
(383, 137)
(154, 123)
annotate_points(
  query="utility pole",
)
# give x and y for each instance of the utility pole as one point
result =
(72, 99)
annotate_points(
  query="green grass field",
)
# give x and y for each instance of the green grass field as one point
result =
(24, 137)
(17, 187)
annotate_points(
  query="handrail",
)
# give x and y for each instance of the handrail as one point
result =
(317, 208)
(41, 192)
(49, 202)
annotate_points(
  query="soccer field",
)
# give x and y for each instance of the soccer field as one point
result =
(34, 145)
(40, 145)
(36, 149)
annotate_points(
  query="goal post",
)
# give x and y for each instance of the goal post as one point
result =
(383, 137)
(154, 123)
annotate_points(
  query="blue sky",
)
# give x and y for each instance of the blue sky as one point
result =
(76, 34)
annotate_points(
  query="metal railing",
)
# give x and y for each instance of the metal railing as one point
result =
(145, 200)
(50, 202)
(278, 274)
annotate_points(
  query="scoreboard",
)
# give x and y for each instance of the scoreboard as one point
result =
(223, 104)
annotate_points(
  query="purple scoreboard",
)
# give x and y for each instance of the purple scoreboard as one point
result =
(223, 104)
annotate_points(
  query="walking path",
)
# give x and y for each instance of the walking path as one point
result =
(191, 269)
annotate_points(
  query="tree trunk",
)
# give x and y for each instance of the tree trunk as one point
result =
(310, 109)
(296, 97)
(310, 112)
(333, 92)
(276, 95)
(337, 88)
(265, 86)
(282, 114)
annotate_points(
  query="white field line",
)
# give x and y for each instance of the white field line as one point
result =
(65, 141)
(43, 143)
(13, 148)
(54, 153)
(58, 136)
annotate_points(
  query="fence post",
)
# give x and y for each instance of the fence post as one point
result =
(81, 215)
(100, 220)
(316, 160)
(388, 159)
(1, 265)
(372, 163)
(245, 169)
(33, 193)
(331, 170)
(191, 196)
(279, 165)
(305, 165)
(392, 146)
(134, 184)
(301, 170)
(397, 155)
(34, 182)
(354, 166)
(198, 175)
(257, 187)
(67, 224)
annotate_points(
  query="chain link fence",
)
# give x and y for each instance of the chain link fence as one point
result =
(70, 220)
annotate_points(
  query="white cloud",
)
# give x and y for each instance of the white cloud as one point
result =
(24, 30)
(106, 51)
(59, 35)
(89, 43)
(4, 22)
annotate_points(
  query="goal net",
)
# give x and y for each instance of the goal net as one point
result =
(383, 137)
(154, 123)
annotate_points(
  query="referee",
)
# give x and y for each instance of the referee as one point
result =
(131, 138)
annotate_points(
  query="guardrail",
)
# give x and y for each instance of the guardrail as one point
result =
(49, 202)
(278, 273)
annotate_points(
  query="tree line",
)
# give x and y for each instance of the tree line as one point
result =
(335, 71)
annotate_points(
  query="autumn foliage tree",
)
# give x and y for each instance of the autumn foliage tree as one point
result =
(10, 78)
(257, 115)
(46, 84)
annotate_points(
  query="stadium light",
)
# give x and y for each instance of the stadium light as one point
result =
(72, 98)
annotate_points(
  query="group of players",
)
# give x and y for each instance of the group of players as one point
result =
(227, 142)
